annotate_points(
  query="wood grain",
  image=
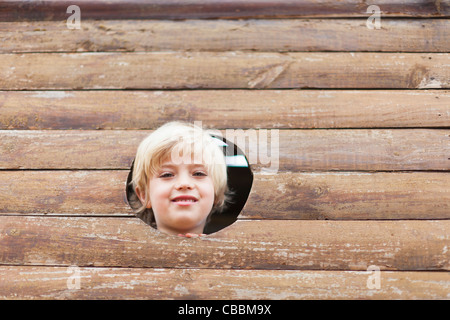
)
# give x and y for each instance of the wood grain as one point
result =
(358, 177)
(14, 10)
(383, 195)
(230, 70)
(223, 109)
(308, 245)
(294, 195)
(279, 35)
(64, 192)
(20, 282)
(297, 150)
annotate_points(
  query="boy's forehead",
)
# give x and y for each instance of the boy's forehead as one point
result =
(191, 162)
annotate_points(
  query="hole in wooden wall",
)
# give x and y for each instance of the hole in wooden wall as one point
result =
(240, 180)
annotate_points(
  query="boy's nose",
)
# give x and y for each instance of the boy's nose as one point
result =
(183, 183)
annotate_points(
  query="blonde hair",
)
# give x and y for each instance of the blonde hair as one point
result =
(169, 140)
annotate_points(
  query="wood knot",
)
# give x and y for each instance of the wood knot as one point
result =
(13, 232)
(319, 191)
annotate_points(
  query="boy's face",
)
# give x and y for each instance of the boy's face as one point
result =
(181, 196)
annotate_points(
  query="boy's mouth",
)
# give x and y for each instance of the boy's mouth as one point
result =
(184, 200)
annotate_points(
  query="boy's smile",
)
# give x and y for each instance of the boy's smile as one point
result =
(184, 200)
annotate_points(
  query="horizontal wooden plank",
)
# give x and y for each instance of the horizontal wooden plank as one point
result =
(273, 244)
(296, 150)
(225, 109)
(64, 192)
(334, 196)
(424, 35)
(231, 70)
(415, 195)
(21, 282)
(14, 10)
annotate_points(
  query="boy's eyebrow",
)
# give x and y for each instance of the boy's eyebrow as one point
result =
(171, 165)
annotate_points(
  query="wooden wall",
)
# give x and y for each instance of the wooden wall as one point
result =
(364, 147)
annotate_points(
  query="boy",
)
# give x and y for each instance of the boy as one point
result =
(180, 178)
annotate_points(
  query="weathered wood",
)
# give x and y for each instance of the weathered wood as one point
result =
(293, 251)
(232, 70)
(21, 282)
(64, 192)
(296, 244)
(304, 150)
(334, 196)
(415, 195)
(224, 109)
(175, 9)
(423, 35)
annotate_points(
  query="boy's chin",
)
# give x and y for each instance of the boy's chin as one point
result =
(185, 221)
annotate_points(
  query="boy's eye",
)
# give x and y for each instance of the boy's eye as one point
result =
(166, 175)
(200, 174)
